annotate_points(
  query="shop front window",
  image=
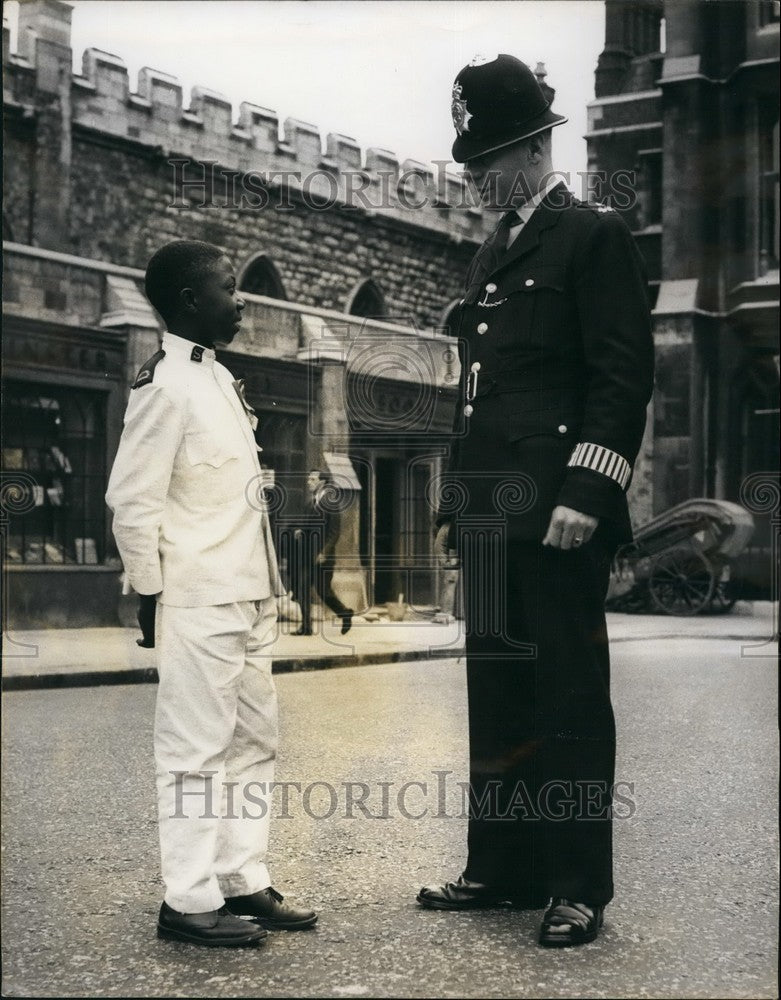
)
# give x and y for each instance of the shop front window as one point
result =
(56, 436)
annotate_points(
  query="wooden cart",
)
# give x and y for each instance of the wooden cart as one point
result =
(679, 562)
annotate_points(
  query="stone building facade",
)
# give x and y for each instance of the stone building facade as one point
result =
(350, 263)
(696, 118)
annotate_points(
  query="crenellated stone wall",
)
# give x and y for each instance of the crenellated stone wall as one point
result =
(94, 168)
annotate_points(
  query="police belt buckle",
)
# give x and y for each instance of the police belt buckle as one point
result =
(471, 385)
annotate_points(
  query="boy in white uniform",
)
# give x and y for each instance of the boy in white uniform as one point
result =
(195, 542)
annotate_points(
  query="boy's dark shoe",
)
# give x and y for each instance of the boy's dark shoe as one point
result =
(268, 909)
(215, 929)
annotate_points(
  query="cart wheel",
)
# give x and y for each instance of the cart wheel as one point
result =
(682, 582)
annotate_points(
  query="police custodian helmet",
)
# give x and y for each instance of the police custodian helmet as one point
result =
(497, 101)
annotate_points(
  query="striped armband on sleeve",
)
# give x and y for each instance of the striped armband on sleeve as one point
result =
(600, 459)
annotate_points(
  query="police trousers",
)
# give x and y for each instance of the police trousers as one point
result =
(541, 725)
(215, 741)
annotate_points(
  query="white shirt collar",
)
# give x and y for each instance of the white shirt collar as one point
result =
(526, 210)
(181, 348)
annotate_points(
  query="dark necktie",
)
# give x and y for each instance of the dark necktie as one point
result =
(499, 245)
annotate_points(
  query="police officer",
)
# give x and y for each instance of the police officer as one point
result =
(556, 372)
(195, 542)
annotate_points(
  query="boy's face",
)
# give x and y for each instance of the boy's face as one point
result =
(218, 304)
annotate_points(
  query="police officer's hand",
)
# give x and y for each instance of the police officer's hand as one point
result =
(569, 529)
(147, 605)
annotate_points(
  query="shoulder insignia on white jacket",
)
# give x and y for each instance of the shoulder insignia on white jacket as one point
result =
(147, 372)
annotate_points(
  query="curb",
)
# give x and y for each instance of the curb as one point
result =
(290, 665)
(148, 675)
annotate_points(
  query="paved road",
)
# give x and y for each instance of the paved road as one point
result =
(694, 915)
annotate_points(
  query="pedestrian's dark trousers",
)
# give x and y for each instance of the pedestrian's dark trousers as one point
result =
(541, 726)
(308, 573)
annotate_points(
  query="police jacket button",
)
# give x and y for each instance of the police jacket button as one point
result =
(468, 410)
(529, 282)
(476, 366)
(490, 287)
(562, 428)
(482, 328)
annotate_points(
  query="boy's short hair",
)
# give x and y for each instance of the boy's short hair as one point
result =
(177, 265)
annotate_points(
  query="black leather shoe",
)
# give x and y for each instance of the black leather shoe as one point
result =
(579, 923)
(347, 622)
(268, 909)
(466, 895)
(215, 929)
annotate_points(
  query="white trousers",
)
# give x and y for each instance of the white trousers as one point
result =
(215, 745)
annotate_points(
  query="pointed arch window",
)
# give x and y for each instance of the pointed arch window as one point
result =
(259, 276)
(368, 301)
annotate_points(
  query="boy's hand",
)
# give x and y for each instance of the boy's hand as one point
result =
(147, 604)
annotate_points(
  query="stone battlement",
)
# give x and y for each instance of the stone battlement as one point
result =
(100, 100)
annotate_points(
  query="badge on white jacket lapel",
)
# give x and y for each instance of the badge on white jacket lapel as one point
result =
(238, 385)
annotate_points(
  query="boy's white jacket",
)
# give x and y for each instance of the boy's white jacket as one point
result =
(189, 519)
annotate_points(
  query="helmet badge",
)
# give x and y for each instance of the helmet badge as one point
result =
(461, 116)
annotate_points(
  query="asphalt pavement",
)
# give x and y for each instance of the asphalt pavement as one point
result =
(696, 849)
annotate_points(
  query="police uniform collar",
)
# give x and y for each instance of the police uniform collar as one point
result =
(525, 211)
(185, 349)
(546, 214)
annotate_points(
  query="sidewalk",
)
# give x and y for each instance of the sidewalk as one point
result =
(48, 658)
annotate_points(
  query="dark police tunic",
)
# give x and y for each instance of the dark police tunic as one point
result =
(557, 371)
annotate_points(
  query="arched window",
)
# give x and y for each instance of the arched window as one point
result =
(260, 277)
(367, 300)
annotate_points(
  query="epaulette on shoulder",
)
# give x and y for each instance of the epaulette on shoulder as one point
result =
(147, 372)
(595, 206)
